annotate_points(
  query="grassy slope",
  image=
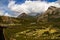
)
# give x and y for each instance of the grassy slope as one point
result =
(14, 31)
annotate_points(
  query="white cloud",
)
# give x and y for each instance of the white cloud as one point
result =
(31, 6)
(2, 13)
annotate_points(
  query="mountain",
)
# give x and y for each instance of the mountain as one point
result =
(50, 17)
(22, 15)
(51, 13)
(27, 18)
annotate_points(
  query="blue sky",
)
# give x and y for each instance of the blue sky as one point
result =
(5, 2)
(22, 1)
(4, 5)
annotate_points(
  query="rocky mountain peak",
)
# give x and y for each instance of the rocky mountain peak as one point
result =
(22, 15)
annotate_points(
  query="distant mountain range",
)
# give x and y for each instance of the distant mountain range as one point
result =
(52, 14)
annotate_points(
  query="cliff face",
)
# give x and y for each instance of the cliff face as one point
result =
(52, 12)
